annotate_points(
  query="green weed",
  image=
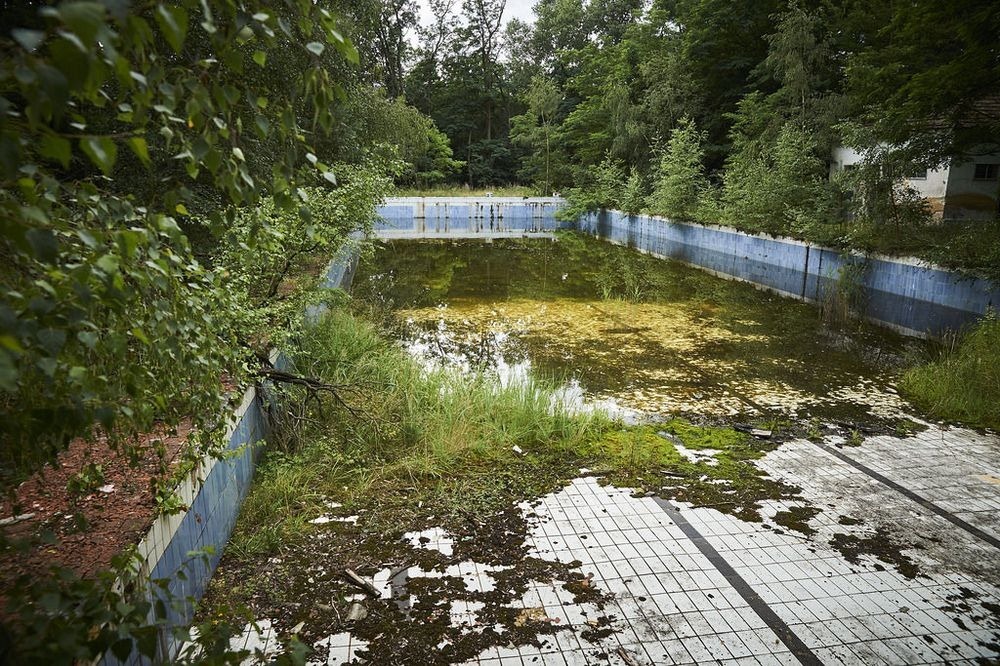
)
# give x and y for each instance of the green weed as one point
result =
(963, 383)
(394, 421)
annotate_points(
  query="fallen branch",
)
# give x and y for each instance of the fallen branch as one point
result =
(313, 386)
(626, 657)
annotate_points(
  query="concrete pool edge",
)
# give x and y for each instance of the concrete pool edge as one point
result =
(905, 294)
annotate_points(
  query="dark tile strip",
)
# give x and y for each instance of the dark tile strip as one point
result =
(927, 504)
(770, 618)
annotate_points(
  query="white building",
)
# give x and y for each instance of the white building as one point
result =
(956, 191)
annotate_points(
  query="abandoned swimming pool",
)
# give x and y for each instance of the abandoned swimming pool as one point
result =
(789, 545)
(631, 330)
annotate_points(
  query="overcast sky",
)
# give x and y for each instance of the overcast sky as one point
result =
(515, 9)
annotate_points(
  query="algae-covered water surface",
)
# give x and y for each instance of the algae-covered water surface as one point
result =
(641, 332)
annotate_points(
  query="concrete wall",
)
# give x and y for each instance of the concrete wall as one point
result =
(968, 198)
(213, 492)
(905, 294)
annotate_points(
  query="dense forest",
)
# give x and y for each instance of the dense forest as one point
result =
(696, 108)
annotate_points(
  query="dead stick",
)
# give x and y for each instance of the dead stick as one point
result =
(354, 578)
(626, 657)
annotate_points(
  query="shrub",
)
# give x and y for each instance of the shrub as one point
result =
(681, 184)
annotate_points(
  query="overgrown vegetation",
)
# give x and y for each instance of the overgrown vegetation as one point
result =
(440, 435)
(398, 421)
(461, 191)
(693, 110)
(170, 173)
(963, 383)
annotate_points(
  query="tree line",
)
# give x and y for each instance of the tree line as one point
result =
(700, 108)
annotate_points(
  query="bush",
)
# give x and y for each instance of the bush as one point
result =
(963, 384)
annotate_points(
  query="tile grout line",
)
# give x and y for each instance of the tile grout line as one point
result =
(799, 649)
(926, 503)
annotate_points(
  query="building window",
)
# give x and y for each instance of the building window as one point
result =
(920, 175)
(986, 172)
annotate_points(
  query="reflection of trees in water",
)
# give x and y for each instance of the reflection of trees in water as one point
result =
(466, 345)
(763, 339)
(429, 272)
(409, 273)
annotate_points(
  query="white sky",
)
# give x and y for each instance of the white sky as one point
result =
(515, 9)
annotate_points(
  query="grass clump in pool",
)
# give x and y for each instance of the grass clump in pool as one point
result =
(963, 383)
(397, 424)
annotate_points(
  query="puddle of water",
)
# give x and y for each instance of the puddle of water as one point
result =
(643, 333)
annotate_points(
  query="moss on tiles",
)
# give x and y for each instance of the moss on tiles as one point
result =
(650, 459)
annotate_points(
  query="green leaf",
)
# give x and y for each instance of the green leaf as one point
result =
(44, 244)
(316, 48)
(181, 209)
(88, 338)
(55, 86)
(56, 148)
(73, 64)
(85, 19)
(139, 147)
(108, 263)
(8, 374)
(173, 22)
(260, 58)
(11, 343)
(263, 125)
(102, 151)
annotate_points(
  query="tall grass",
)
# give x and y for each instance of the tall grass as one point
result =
(402, 421)
(425, 421)
(963, 384)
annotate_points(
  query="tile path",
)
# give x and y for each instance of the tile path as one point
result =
(695, 586)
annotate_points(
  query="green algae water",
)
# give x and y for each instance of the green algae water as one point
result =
(629, 329)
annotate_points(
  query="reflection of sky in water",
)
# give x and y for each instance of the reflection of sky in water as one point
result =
(690, 342)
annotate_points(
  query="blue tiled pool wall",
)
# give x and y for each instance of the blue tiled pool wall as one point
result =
(432, 215)
(210, 519)
(907, 296)
(206, 524)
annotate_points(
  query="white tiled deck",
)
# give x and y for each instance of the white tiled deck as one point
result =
(721, 590)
